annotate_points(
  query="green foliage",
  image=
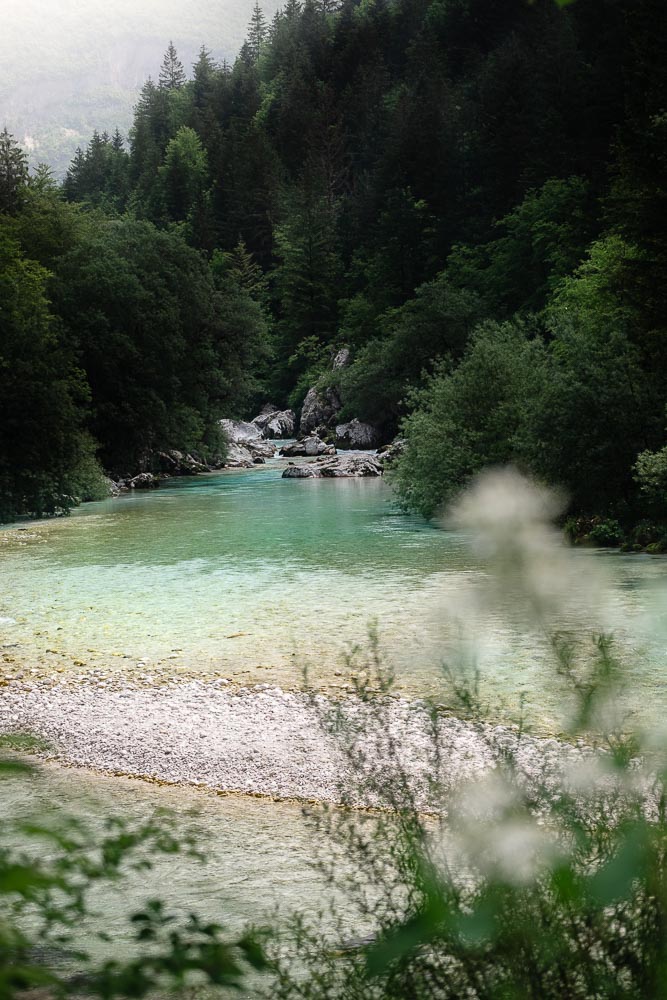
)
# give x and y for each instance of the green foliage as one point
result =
(311, 362)
(476, 414)
(410, 341)
(172, 75)
(100, 176)
(46, 457)
(651, 475)
(46, 892)
(185, 184)
(534, 878)
(606, 532)
(305, 281)
(158, 343)
(13, 174)
(542, 241)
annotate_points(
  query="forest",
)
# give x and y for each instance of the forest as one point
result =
(467, 194)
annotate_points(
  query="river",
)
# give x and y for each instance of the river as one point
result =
(249, 576)
(254, 577)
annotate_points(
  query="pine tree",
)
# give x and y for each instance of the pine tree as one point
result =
(13, 173)
(257, 31)
(246, 271)
(172, 74)
(72, 183)
(291, 10)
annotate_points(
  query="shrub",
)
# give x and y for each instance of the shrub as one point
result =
(607, 532)
(531, 878)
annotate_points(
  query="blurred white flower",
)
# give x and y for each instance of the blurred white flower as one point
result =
(493, 834)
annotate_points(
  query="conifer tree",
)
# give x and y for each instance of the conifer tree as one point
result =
(327, 6)
(13, 173)
(172, 75)
(291, 10)
(72, 183)
(246, 271)
(257, 30)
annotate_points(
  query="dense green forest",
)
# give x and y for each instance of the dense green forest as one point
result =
(469, 194)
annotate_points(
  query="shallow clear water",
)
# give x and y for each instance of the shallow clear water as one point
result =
(254, 576)
(257, 852)
(249, 575)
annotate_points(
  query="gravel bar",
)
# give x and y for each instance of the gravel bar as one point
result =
(260, 740)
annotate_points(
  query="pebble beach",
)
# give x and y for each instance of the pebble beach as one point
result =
(252, 740)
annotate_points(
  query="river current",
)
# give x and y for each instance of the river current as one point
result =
(254, 577)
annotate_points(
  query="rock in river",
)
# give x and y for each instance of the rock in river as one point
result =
(246, 446)
(357, 435)
(338, 467)
(310, 446)
(275, 423)
(144, 481)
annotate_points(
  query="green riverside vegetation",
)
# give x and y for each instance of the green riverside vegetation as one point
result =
(467, 194)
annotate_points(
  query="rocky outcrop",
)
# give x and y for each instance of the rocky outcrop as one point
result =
(275, 423)
(308, 446)
(114, 488)
(239, 431)
(144, 481)
(341, 358)
(390, 453)
(357, 435)
(338, 467)
(320, 407)
(246, 446)
(238, 457)
(176, 463)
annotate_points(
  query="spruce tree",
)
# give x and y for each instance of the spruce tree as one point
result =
(172, 75)
(257, 31)
(13, 173)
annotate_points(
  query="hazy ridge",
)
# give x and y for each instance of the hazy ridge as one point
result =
(68, 67)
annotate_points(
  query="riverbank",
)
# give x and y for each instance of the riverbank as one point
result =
(255, 741)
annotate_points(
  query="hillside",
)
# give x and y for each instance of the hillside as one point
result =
(67, 68)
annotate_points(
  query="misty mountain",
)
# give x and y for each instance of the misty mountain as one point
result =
(68, 67)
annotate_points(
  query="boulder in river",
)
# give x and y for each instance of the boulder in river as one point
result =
(321, 406)
(176, 463)
(114, 489)
(357, 435)
(246, 446)
(144, 481)
(338, 467)
(311, 446)
(275, 423)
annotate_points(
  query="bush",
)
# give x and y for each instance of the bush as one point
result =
(651, 475)
(473, 416)
(534, 877)
(606, 533)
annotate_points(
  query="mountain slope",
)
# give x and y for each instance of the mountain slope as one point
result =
(68, 67)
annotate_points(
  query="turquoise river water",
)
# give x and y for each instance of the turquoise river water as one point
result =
(252, 576)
